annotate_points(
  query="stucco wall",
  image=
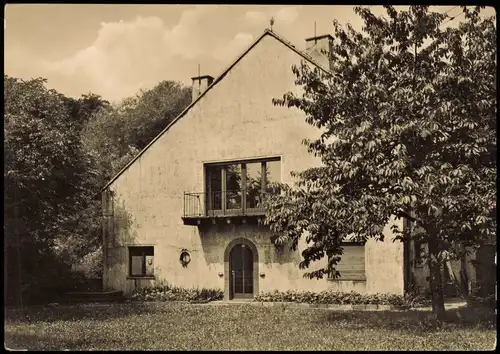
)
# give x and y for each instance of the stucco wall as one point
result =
(234, 120)
(420, 272)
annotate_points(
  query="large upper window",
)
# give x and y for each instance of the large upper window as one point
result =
(236, 186)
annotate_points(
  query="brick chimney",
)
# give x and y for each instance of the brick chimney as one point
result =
(200, 84)
(315, 47)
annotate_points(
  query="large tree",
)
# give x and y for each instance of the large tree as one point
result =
(407, 124)
(48, 180)
(58, 153)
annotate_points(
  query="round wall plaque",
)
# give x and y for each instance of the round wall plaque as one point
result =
(185, 258)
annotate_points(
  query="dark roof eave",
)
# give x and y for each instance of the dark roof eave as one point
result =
(202, 77)
(320, 37)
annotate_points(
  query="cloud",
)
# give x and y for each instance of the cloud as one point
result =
(255, 17)
(20, 61)
(287, 15)
(188, 37)
(129, 55)
(282, 16)
(135, 54)
(111, 66)
(235, 47)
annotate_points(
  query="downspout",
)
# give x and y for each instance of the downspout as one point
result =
(107, 212)
(406, 258)
(104, 239)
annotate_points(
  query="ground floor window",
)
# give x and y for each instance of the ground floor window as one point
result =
(352, 263)
(141, 261)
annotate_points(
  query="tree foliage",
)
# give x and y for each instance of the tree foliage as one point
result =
(47, 174)
(407, 118)
(48, 177)
(117, 133)
(59, 151)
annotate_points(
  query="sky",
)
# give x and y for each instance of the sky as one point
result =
(116, 50)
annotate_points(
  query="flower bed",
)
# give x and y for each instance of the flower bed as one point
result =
(339, 298)
(173, 293)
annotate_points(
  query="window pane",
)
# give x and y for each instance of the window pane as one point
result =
(149, 266)
(135, 251)
(136, 269)
(254, 172)
(137, 254)
(214, 185)
(233, 186)
(273, 174)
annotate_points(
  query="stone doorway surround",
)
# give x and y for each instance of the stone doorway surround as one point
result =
(227, 274)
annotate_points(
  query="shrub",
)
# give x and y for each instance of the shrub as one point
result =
(91, 264)
(339, 298)
(415, 299)
(166, 292)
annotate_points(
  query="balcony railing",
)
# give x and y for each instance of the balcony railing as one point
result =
(226, 203)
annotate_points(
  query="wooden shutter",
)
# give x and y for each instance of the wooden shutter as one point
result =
(352, 263)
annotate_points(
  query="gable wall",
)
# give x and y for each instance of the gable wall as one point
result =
(234, 120)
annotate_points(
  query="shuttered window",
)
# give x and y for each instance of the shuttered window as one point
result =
(352, 263)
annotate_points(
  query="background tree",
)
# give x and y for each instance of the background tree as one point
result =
(59, 152)
(83, 108)
(113, 135)
(83, 240)
(407, 120)
(48, 179)
(161, 105)
(118, 132)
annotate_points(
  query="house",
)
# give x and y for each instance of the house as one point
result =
(186, 209)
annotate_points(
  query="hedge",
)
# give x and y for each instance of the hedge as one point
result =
(166, 292)
(340, 298)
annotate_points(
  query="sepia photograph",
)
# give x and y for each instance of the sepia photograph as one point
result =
(250, 177)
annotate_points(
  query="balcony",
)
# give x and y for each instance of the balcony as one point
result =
(228, 206)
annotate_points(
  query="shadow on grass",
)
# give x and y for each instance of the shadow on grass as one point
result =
(183, 326)
(104, 311)
(464, 317)
(35, 341)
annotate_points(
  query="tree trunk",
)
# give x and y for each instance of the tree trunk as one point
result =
(464, 277)
(435, 281)
(6, 273)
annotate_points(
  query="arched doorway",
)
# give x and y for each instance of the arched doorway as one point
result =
(241, 270)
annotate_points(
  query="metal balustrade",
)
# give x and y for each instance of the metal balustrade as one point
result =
(224, 203)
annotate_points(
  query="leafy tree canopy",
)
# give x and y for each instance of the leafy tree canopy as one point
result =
(48, 176)
(407, 119)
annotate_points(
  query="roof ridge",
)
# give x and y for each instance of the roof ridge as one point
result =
(298, 51)
(215, 81)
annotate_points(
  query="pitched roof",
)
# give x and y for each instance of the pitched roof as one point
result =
(267, 32)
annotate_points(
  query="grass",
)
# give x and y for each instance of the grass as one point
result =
(241, 326)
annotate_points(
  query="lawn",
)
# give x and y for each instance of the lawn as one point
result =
(240, 326)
